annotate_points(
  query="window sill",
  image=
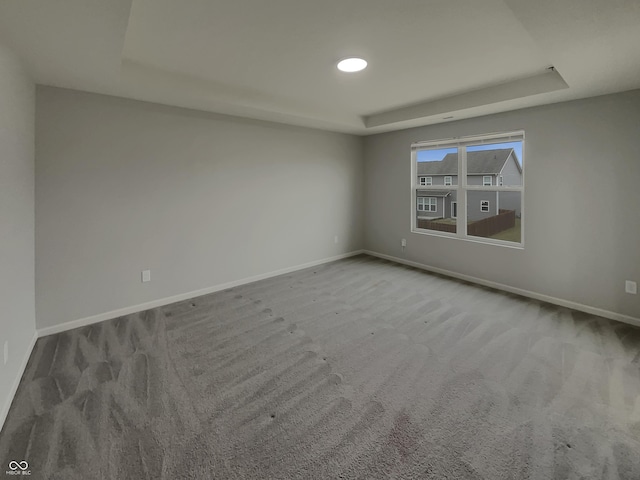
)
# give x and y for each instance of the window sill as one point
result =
(484, 241)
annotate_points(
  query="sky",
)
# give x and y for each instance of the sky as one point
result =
(437, 155)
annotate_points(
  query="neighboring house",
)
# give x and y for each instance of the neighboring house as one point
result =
(498, 167)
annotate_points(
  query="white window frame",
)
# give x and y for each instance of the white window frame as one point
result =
(426, 205)
(448, 181)
(484, 181)
(423, 181)
(500, 181)
(429, 181)
(462, 187)
(485, 206)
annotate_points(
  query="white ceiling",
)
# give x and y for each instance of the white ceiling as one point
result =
(275, 60)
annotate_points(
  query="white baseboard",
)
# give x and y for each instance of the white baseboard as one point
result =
(81, 322)
(519, 291)
(16, 381)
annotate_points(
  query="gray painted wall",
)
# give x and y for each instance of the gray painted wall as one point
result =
(582, 198)
(17, 315)
(200, 199)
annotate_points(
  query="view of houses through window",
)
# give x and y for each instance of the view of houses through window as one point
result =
(492, 191)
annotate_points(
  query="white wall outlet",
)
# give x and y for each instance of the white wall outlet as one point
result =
(335, 239)
(6, 352)
(631, 287)
(403, 242)
(146, 275)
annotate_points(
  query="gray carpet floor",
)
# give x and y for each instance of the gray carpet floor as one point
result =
(355, 369)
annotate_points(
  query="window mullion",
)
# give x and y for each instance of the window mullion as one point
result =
(462, 192)
(414, 190)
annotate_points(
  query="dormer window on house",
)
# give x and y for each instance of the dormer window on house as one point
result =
(426, 180)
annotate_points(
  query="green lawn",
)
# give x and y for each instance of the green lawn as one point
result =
(513, 234)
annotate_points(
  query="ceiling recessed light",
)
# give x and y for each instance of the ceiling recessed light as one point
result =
(352, 65)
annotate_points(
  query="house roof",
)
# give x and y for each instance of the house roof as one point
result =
(433, 193)
(479, 162)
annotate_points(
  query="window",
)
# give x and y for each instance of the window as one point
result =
(427, 204)
(472, 206)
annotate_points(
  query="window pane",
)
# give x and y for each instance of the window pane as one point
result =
(433, 165)
(436, 214)
(494, 161)
(502, 221)
(437, 164)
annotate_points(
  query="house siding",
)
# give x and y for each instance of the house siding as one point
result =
(511, 201)
(511, 173)
(439, 179)
(473, 205)
(506, 201)
(477, 179)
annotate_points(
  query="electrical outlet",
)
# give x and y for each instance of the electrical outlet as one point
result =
(631, 287)
(6, 352)
(146, 275)
(403, 242)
